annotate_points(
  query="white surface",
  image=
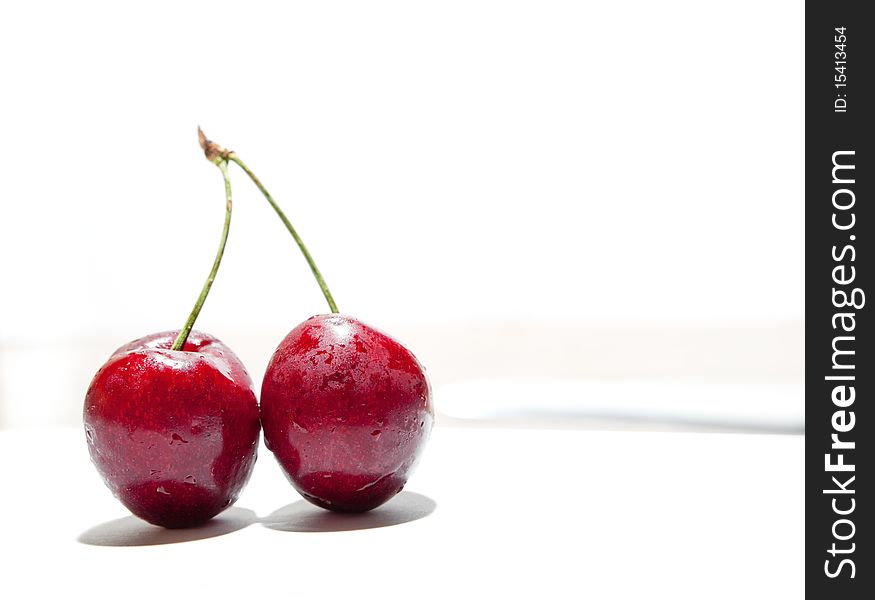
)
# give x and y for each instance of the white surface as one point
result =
(752, 407)
(519, 513)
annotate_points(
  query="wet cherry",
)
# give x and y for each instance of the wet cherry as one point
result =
(346, 411)
(173, 433)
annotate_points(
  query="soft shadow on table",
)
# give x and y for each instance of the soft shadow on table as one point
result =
(301, 516)
(131, 531)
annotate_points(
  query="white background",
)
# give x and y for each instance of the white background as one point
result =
(578, 214)
(479, 178)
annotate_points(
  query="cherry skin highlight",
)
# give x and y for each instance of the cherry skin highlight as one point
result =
(347, 411)
(174, 434)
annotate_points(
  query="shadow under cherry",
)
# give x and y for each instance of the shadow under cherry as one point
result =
(301, 516)
(131, 531)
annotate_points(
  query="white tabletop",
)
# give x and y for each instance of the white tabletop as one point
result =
(501, 512)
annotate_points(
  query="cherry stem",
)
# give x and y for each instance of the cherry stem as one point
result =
(180, 340)
(322, 285)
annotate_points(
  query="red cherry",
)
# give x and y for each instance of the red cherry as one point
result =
(173, 433)
(347, 411)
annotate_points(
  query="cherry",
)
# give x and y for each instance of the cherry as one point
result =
(174, 433)
(171, 419)
(345, 408)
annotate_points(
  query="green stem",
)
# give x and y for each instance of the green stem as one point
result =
(180, 340)
(325, 292)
